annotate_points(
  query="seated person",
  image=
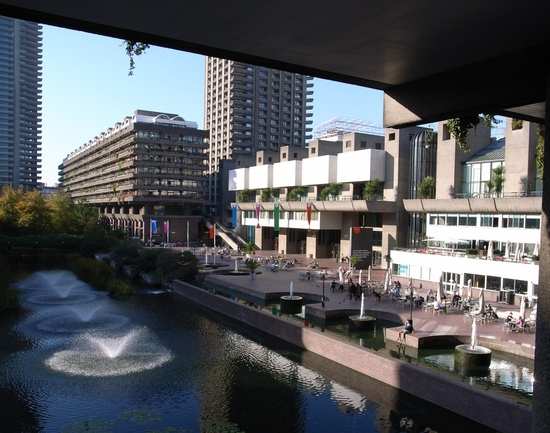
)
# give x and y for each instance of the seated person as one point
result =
(407, 329)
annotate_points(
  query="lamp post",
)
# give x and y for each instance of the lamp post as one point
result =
(411, 293)
(323, 278)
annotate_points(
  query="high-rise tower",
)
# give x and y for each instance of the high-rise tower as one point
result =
(250, 108)
(20, 102)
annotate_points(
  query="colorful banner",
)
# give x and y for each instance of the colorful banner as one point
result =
(154, 227)
(276, 215)
(308, 213)
(257, 210)
(167, 230)
(234, 210)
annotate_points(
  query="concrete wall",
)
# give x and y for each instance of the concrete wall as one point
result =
(450, 158)
(519, 159)
(311, 244)
(496, 412)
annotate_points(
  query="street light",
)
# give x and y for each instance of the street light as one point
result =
(411, 293)
(323, 278)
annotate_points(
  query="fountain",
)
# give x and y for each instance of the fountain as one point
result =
(362, 321)
(291, 303)
(472, 359)
(107, 355)
(56, 288)
(80, 318)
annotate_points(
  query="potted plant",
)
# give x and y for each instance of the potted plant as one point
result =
(252, 265)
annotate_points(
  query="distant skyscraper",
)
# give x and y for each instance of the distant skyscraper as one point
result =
(250, 108)
(20, 102)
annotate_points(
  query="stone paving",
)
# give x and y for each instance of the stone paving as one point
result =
(425, 322)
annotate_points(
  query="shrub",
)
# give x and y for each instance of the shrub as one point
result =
(472, 252)
(426, 188)
(373, 190)
(296, 193)
(93, 272)
(126, 252)
(119, 288)
(331, 190)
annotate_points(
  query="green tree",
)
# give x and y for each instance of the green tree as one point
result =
(460, 126)
(69, 216)
(296, 193)
(244, 195)
(268, 193)
(539, 153)
(426, 188)
(249, 248)
(330, 190)
(498, 179)
(34, 213)
(252, 265)
(134, 49)
(373, 190)
(9, 211)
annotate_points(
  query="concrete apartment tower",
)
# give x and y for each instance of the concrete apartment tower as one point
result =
(20, 102)
(248, 109)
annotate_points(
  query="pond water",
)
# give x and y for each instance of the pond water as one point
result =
(510, 375)
(77, 361)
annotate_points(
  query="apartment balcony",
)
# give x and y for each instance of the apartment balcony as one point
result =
(429, 263)
(331, 205)
(475, 205)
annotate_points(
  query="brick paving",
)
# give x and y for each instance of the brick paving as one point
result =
(425, 322)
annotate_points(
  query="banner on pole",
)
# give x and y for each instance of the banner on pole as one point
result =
(276, 215)
(258, 208)
(308, 213)
(234, 211)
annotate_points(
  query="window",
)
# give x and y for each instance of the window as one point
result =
(363, 145)
(378, 146)
(313, 150)
(259, 159)
(519, 286)
(348, 144)
(295, 155)
(433, 220)
(493, 283)
(441, 220)
(446, 133)
(391, 136)
(532, 223)
(451, 220)
(513, 221)
(284, 155)
(488, 221)
(467, 220)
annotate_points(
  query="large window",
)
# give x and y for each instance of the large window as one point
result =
(513, 221)
(476, 175)
(477, 280)
(467, 220)
(532, 222)
(519, 286)
(488, 221)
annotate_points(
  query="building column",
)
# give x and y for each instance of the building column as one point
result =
(541, 398)
(258, 237)
(345, 235)
(282, 242)
(311, 244)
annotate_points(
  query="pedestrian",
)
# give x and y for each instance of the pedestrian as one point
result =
(333, 286)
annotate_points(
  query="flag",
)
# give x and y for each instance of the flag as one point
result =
(154, 227)
(258, 207)
(234, 215)
(211, 232)
(276, 215)
(308, 213)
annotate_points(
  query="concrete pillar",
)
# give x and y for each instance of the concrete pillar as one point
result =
(311, 243)
(282, 243)
(519, 158)
(258, 238)
(389, 234)
(345, 235)
(541, 398)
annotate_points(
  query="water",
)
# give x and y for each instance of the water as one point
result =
(509, 375)
(171, 367)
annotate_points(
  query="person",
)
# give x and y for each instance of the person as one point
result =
(333, 286)
(430, 296)
(407, 329)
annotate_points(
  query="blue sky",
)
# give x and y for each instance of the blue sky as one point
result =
(86, 89)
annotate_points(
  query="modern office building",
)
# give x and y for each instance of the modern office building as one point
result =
(146, 175)
(20, 102)
(484, 224)
(250, 108)
(340, 197)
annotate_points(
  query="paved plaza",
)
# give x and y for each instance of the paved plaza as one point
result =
(426, 323)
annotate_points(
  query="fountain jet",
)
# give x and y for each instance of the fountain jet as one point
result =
(112, 347)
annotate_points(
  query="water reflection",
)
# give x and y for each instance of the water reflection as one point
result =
(214, 375)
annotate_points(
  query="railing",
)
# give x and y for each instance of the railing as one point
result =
(463, 254)
(501, 195)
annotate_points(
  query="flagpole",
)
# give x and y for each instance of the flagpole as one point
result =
(187, 233)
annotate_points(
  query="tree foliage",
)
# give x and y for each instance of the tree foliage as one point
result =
(426, 188)
(460, 126)
(134, 49)
(330, 190)
(296, 193)
(539, 153)
(373, 189)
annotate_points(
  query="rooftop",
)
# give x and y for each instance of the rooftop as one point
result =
(493, 152)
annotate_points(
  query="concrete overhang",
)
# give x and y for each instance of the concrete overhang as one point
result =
(475, 205)
(433, 59)
(378, 206)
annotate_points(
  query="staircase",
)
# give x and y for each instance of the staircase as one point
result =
(232, 239)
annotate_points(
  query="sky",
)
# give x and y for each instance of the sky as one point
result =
(86, 89)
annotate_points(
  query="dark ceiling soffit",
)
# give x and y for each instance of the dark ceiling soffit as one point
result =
(492, 87)
(121, 33)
